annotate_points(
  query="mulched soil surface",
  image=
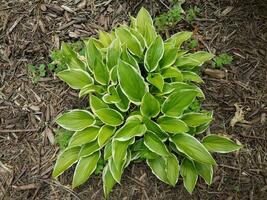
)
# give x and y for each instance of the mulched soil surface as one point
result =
(29, 30)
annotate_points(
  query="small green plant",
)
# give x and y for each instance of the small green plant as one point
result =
(169, 19)
(193, 43)
(37, 72)
(222, 59)
(191, 14)
(63, 138)
(144, 105)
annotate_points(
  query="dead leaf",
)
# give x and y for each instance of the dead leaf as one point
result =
(239, 116)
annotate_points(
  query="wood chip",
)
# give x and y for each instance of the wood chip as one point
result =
(215, 73)
(25, 187)
(48, 132)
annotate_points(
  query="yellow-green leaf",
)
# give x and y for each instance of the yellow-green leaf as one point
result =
(132, 128)
(177, 39)
(154, 144)
(177, 102)
(88, 149)
(65, 160)
(85, 167)
(109, 116)
(205, 171)
(155, 128)
(191, 76)
(130, 40)
(158, 168)
(108, 181)
(196, 119)
(105, 133)
(113, 54)
(189, 174)
(75, 78)
(131, 82)
(168, 58)
(191, 147)
(157, 80)
(85, 136)
(150, 106)
(72, 58)
(154, 54)
(220, 144)
(172, 125)
(172, 169)
(76, 120)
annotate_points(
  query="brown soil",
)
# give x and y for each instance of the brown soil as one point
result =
(29, 30)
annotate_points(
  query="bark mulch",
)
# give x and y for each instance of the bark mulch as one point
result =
(30, 30)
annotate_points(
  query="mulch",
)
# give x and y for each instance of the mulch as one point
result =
(30, 30)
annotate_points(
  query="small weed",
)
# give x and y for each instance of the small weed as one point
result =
(62, 138)
(100, 166)
(222, 59)
(191, 14)
(193, 43)
(170, 18)
(37, 72)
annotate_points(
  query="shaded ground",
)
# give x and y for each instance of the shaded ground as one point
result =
(30, 30)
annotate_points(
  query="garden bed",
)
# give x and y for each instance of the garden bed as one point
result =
(29, 31)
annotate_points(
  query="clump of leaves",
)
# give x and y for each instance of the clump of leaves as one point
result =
(191, 13)
(144, 104)
(193, 43)
(37, 72)
(169, 19)
(63, 138)
(222, 59)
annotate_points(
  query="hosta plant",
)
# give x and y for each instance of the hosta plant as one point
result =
(141, 94)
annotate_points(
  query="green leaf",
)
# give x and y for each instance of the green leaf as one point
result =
(105, 133)
(75, 78)
(113, 75)
(184, 86)
(124, 103)
(113, 54)
(172, 169)
(177, 102)
(196, 119)
(73, 60)
(158, 168)
(139, 37)
(82, 137)
(191, 76)
(205, 171)
(132, 128)
(96, 103)
(156, 80)
(177, 39)
(101, 73)
(119, 151)
(65, 160)
(88, 149)
(85, 167)
(91, 89)
(131, 82)
(116, 172)
(172, 125)
(104, 38)
(75, 120)
(153, 54)
(220, 144)
(168, 58)
(130, 40)
(150, 106)
(112, 96)
(172, 72)
(191, 147)
(144, 24)
(108, 151)
(108, 181)
(154, 144)
(155, 128)
(150, 34)
(189, 174)
(193, 60)
(128, 58)
(109, 116)
(92, 54)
